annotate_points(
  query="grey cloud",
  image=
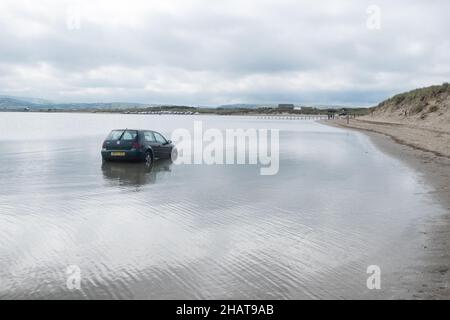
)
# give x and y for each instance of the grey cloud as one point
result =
(203, 53)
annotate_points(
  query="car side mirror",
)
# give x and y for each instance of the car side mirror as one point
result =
(169, 141)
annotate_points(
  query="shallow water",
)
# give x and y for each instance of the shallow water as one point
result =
(336, 206)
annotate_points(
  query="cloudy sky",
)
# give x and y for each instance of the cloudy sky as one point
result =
(219, 52)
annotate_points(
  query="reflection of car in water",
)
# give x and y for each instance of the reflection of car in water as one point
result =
(136, 145)
(135, 174)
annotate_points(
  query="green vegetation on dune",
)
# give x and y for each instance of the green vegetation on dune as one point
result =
(422, 100)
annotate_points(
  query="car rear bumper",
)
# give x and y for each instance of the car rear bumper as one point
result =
(122, 155)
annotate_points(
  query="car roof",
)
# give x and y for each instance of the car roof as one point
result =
(129, 129)
(139, 130)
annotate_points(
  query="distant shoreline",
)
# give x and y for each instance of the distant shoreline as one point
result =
(169, 110)
(293, 116)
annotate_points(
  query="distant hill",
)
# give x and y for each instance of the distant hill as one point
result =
(15, 103)
(10, 102)
(428, 106)
(22, 100)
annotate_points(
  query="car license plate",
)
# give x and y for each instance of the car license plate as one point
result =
(117, 154)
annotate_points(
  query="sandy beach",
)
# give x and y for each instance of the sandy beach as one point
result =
(427, 151)
(426, 138)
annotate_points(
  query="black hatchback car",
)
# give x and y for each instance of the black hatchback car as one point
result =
(136, 145)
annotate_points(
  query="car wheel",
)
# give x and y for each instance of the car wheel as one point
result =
(148, 158)
(174, 154)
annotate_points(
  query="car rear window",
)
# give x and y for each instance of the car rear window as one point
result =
(120, 134)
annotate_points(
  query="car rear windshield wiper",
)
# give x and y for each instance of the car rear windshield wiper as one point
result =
(122, 134)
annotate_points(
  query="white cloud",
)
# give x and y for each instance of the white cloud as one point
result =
(214, 52)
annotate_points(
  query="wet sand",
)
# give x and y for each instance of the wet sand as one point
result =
(434, 170)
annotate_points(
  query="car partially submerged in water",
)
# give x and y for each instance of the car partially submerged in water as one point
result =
(136, 145)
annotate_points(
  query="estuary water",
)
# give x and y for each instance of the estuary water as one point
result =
(336, 206)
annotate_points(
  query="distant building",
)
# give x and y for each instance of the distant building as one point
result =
(307, 109)
(286, 106)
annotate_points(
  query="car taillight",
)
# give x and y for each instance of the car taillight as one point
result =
(136, 145)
